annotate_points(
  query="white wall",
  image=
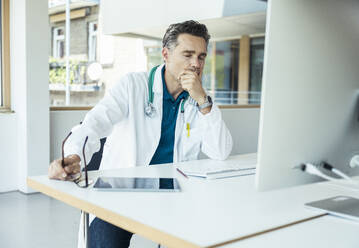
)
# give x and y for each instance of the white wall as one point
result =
(24, 134)
(242, 123)
(61, 123)
(8, 157)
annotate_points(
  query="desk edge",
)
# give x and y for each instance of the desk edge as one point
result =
(266, 231)
(113, 218)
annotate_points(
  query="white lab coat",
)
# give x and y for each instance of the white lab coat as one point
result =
(133, 137)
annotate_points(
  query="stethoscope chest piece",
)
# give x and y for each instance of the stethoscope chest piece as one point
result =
(150, 110)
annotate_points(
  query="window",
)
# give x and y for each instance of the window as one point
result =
(4, 56)
(153, 50)
(256, 70)
(92, 41)
(82, 90)
(58, 50)
(114, 56)
(220, 74)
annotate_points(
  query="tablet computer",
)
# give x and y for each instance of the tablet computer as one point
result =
(343, 206)
(141, 184)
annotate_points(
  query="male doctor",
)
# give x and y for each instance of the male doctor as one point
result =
(169, 121)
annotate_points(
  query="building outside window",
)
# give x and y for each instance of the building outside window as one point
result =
(115, 55)
(84, 91)
(58, 50)
(92, 38)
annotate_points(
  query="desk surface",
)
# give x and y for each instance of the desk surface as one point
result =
(205, 214)
(324, 232)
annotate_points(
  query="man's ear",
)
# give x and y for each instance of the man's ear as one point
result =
(165, 53)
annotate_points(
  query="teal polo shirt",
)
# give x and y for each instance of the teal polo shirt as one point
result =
(164, 151)
(170, 106)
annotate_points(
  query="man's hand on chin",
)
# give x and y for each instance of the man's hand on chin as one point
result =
(190, 81)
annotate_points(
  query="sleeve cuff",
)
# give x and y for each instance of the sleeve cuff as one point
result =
(211, 117)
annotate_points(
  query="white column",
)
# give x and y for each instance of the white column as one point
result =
(29, 39)
(67, 52)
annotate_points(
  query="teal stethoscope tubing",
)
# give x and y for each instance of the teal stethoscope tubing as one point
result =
(150, 109)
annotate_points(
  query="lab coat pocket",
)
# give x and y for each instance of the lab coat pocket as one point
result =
(191, 146)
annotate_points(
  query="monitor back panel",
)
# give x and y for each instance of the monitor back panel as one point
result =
(310, 89)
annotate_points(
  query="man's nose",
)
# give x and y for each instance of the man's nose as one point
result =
(195, 63)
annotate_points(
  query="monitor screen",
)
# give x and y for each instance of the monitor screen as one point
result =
(309, 109)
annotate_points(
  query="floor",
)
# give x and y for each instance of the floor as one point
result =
(36, 221)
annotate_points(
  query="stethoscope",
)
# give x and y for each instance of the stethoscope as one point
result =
(150, 110)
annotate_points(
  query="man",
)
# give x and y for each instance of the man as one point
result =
(182, 122)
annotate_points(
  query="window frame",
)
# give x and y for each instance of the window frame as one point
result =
(55, 39)
(5, 56)
(92, 35)
(88, 108)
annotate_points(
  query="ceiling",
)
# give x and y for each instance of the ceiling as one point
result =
(219, 28)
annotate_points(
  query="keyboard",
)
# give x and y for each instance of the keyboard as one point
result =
(219, 169)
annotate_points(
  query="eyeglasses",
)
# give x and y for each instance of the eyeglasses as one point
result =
(79, 181)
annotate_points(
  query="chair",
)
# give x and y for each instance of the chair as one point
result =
(96, 157)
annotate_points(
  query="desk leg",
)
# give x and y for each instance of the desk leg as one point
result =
(86, 229)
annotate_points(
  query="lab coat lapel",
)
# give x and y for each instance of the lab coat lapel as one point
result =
(158, 92)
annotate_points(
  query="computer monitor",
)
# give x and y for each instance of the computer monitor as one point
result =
(310, 90)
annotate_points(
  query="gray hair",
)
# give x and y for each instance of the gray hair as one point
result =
(188, 27)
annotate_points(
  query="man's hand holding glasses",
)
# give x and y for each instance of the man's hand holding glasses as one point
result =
(69, 172)
(69, 169)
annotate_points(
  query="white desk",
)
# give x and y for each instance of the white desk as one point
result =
(323, 232)
(205, 214)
